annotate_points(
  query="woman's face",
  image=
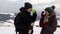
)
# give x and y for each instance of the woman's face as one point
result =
(47, 13)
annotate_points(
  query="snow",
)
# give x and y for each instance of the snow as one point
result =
(11, 30)
(58, 22)
(8, 28)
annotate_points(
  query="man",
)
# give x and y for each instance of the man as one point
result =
(23, 20)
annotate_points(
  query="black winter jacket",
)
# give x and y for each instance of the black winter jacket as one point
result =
(23, 20)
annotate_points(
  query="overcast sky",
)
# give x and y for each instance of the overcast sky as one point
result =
(39, 5)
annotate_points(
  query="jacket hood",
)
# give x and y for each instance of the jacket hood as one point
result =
(22, 9)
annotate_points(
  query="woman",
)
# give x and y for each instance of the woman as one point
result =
(49, 22)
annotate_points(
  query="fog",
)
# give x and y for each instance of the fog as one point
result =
(13, 6)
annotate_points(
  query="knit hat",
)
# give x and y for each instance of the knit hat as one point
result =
(49, 9)
(27, 5)
(53, 7)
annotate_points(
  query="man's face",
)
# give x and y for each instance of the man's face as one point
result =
(29, 10)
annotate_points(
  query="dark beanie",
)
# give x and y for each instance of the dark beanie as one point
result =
(49, 9)
(27, 5)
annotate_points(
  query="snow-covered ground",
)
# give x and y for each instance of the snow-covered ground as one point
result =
(8, 28)
(11, 30)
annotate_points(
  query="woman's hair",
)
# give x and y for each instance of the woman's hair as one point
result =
(52, 14)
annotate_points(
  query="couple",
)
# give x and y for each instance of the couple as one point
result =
(24, 21)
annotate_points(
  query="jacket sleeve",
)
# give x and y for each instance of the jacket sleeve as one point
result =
(34, 16)
(42, 23)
